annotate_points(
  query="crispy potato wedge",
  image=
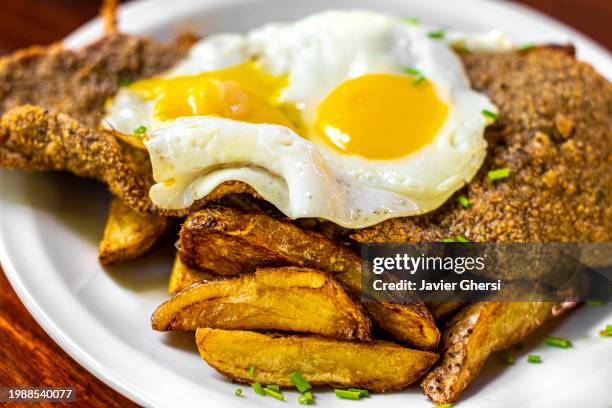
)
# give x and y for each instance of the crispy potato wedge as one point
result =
(228, 241)
(288, 298)
(129, 234)
(443, 310)
(476, 332)
(377, 365)
(183, 276)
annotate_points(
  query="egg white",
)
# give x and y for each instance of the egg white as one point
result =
(192, 155)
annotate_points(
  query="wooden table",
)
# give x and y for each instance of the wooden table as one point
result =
(28, 357)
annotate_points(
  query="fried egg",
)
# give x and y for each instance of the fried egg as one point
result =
(349, 116)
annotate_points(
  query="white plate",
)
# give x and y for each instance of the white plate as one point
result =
(50, 225)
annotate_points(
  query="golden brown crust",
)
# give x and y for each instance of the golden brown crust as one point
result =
(229, 241)
(129, 234)
(78, 82)
(36, 139)
(478, 330)
(108, 12)
(553, 132)
(288, 299)
(377, 365)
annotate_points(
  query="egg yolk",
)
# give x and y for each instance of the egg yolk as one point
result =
(381, 116)
(242, 92)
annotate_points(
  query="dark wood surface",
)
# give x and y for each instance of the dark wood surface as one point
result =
(28, 357)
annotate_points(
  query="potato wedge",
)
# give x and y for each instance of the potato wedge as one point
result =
(228, 241)
(377, 365)
(290, 299)
(443, 310)
(129, 234)
(183, 276)
(478, 330)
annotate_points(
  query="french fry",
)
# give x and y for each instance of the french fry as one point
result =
(129, 234)
(376, 366)
(476, 332)
(287, 298)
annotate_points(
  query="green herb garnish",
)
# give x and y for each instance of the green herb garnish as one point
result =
(437, 34)
(273, 387)
(464, 201)
(362, 393)
(526, 46)
(238, 392)
(126, 82)
(346, 394)
(251, 371)
(411, 20)
(412, 71)
(534, 358)
(498, 174)
(274, 394)
(299, 381)
(557, 342)
(448, 240)
(418, 80)
(306, 399)
(444, 406)
(140, 130)
(489, 114)
(461, 238)
(419, 77)
(258, 389)
(607, 332)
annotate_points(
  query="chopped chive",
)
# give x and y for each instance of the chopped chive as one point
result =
(464, 201)
(345, 394)
(508, 357)
(437, 34)
(461, 238)
(238, 392)
(609, 327)
(526, 46)
(412, 71)
(258, 389)
(489, 114)
(251, 371)
(273, 387)
(557, 342)
(279, 396)
(362, 393)
(125, 82)
(605, 333)
(418, 80)
(498, 174)
(444, 406)
(448, 240)
(306, 399)
(411, 20)
(595, 302)
(299, 381)
(140, 130)
(534, 358)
